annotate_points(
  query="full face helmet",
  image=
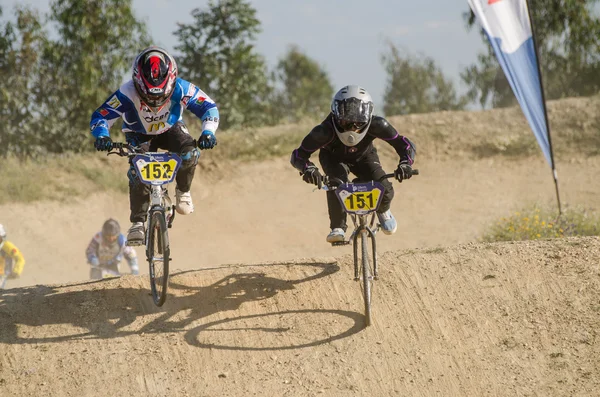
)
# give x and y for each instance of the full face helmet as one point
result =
(154, 75)
(110, 231)
(352, 109)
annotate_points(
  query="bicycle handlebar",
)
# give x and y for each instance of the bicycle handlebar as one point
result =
(334, 183)
(124, 149)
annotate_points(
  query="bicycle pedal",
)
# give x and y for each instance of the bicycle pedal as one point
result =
(134, 243)
(340, 243)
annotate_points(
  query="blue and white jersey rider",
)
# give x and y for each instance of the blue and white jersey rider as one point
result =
(139, 118)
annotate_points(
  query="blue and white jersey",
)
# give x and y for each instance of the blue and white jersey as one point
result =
(139, 118)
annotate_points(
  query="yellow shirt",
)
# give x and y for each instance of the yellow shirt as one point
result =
(11, 259)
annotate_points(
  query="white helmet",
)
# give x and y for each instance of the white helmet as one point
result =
(352, 109)
(2, 232)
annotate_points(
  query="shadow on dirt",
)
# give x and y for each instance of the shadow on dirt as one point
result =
(105, 309)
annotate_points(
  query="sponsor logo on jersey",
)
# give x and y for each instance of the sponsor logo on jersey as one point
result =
(156, 127)
(200, 100)
(186, 99)
(103, 112)
(114, 102)
(150, 119)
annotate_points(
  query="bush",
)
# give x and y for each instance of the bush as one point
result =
(537, 223)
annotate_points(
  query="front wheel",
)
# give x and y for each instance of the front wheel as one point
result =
(157, 253)
(367, 275)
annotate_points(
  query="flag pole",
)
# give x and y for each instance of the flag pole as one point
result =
(537, 56)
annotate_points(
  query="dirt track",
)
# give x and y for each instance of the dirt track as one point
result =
(500, 320)
(252, 312)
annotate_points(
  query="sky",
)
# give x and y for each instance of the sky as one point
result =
(346, 37)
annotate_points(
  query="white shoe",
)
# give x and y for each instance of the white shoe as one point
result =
(336, 235)
(136, 234)
(387, 222)
(184, 205)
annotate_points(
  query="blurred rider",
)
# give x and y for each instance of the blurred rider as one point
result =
(11, 259)
(151, 105)
(345, 144)
(106, 250)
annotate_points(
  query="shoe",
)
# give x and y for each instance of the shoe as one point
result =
(184, 205)
(336, 235)
(387, 222)
(136, 234)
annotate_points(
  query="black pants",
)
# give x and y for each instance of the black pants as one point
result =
(175, 140)
(366, 168)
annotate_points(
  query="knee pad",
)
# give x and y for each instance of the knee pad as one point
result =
(134, 180)
(190, 157)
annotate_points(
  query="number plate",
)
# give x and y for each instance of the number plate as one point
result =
(360, 198)
(157, 168)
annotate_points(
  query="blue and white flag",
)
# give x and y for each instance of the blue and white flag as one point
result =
(508, 27)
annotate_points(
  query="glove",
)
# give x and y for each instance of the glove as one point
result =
(207, 140)
(404, 171)
(103, 143)
(312, 175)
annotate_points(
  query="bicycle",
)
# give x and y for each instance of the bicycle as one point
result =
(361, 200)
(156, 169)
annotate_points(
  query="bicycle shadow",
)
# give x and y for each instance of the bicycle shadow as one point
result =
(105, 309)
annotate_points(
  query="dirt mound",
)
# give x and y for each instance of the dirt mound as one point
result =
(469, 320)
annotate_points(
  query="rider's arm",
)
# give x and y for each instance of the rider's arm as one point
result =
(17, 258)
(196, 101)
(319, 136)
(382, 129)
(92, 251)
(106, 115)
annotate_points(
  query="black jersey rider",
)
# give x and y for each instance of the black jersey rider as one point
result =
(345, 144)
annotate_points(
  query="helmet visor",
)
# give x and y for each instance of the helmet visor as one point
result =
(352, 114)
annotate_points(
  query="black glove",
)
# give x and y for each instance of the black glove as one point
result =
(207, 140)
(404, 171)
(103, 143)
(312, 175)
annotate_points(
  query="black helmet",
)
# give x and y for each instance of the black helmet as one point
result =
(111, 230)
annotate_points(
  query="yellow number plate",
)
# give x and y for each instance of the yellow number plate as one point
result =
(155, 171)
(362, 201)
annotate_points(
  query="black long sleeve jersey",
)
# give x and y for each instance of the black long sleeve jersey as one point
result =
(324, 137)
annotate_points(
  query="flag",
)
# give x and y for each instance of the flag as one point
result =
(507, 25)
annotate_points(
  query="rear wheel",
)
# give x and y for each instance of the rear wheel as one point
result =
(158, 252)
(366, 276)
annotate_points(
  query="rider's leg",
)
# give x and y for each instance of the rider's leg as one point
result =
(138, 205)
(369, 168)
(178, 140)
(337, 216)
(138, 195)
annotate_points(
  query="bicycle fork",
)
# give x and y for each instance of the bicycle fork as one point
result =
(368, 233)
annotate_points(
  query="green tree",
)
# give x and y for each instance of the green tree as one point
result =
(305, 89)
(97, 41)
(218, 54)
(416, 85)
(19, 48)
(568, 38)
